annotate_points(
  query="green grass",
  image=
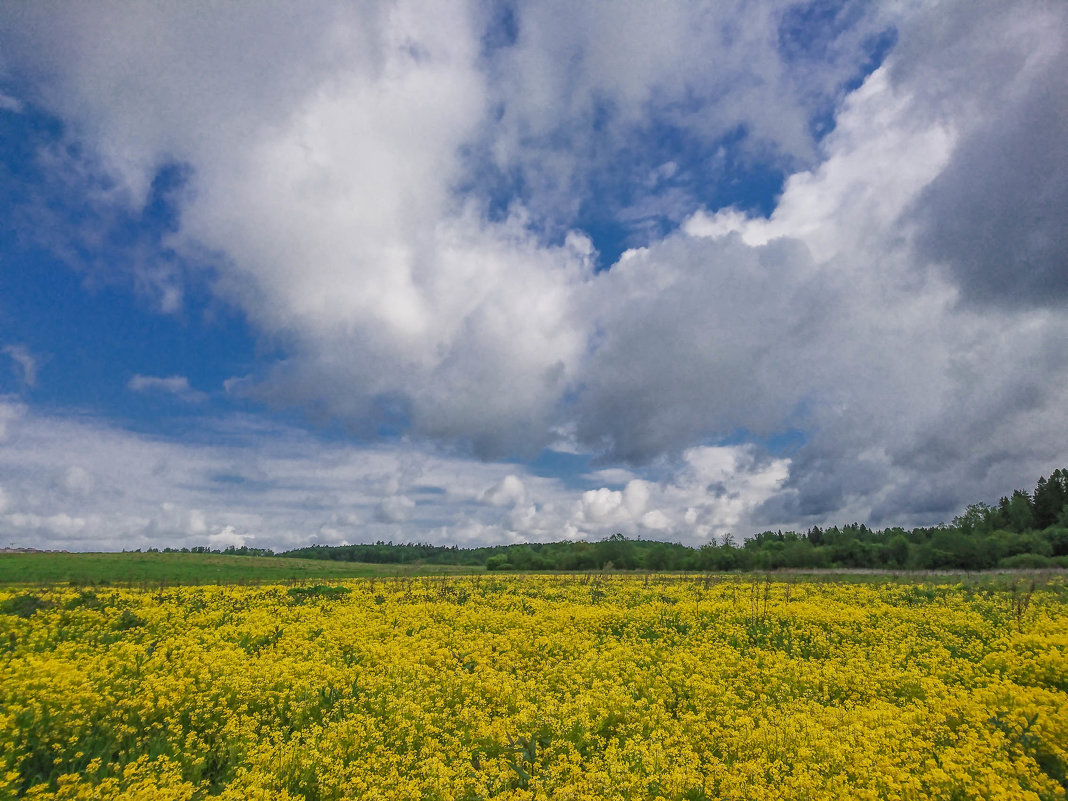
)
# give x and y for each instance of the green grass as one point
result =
(190, 568)
(194, 568)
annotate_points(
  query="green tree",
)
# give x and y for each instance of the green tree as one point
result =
(977, 519)
(658, 557)
(1021, 512)
(897, 551)
(618, 550)
(1050, 499)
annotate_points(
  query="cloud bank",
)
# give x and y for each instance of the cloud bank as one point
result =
(77, 483)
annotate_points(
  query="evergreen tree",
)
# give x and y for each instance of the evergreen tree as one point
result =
(1050, 499)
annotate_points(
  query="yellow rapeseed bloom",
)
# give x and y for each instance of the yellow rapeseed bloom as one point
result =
(536, 687)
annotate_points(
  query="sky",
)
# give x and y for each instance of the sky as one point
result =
(489, 272)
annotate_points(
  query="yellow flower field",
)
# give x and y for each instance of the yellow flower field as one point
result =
(535, 687)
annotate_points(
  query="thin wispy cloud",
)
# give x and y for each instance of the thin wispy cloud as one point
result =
(8, 103)
(25, 363)
(176, 385)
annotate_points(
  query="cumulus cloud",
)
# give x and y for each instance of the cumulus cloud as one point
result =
(710, 492)
(605, 507)
(395, 510)
(583, 81)
(328, 183)
(935, 407)
(176, 385)
(44, 528)
(611, 475)
(338, 493)
(507, 492)
(188, 523)
(391, 192)
(226, 537)
(77, 481)
(912, 402)
(330, 198)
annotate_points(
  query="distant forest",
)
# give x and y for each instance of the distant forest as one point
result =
(1025, 530)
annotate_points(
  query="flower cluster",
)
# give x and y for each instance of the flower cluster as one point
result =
(535, 687)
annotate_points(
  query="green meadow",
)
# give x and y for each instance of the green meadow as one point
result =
(190, 568)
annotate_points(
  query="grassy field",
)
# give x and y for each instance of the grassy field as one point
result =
(135, 569)
(189, 568)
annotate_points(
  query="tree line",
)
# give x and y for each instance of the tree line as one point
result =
(1023, 530)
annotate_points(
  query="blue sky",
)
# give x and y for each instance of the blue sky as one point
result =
(509, 272)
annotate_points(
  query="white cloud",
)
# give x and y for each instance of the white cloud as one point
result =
(723, 488)
(309, 491)
(186, 523)
(10, 411)
(395, 510)
(655, 520)
(77, 481)
(583, 80)
(228, 536)
(710, 492)
(823, 319)
(337, 181)
(610, 475)
(327, 183)
(9, 103)
(177, 385)
(61, 525)
(599, 506)
(509, 491)
(880, 155)
(196, 524)
(26, 362)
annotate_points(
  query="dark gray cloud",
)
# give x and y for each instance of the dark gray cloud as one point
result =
(689, 343)
(997, 216)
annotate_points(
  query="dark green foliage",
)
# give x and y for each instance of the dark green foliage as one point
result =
(128, 620)
(230, 550)
(318, 592)
(388, 553)
(1019, 736)
(24, 605)
(499, 562)
(86, 599)
(1057, 536)
(1050, 499)
(1028, 561)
